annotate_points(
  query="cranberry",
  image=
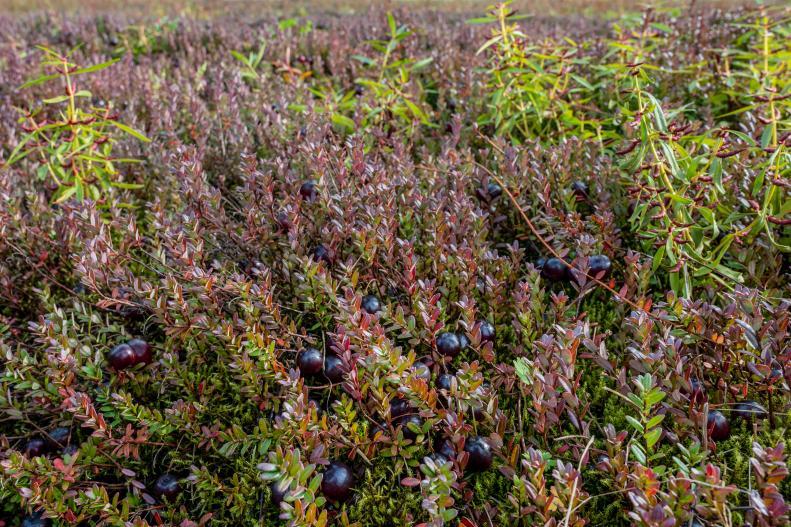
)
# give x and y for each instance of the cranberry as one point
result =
(464, 340)
(70, 450)
(492, 192)
(422, 371)
(599, 266)
(36, 519)
(448, 344)
(399, 407)
(142, 349)
(540, 263)
(308, 190)
(446, 450)
(334, 370)
(337, 482)
(719, 428)
(371, 304)
(487, 331)
(59, 437)
(278, 493)
(444, 381)
(121, 357)
(36, 447)
(749, 410)
(580, 190)
(404, 423)
(376, 430)
(310, 361)
(166, 487)
(554, 269)
(480, 454)
(323, 254)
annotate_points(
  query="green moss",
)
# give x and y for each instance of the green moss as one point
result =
(383, 501)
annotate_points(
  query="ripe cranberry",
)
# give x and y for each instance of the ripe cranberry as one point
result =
(399, 407)
(166, 487)
(334, 369)
(36, 519)
(121, 357)
(142, 349)
(444, 381)
(599, 265)
(540, 263)
(36, 447)
(371, 304)
(278, 493)
(59, 437)
(446, 449)
(337, 482)
(719, 429)
(375, 430)
(422, 371)
(322, 253)
(580, 190)
(310, 361)
(480, 454)
(448, 344)
(70, 450)
(554, 269)
(749, 410)
(494, 190)
(464, 340)
(308, 190)
(404, 423)
(487, 331)
(697, 391)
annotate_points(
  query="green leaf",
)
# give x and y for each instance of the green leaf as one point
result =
(652, 437)
(637, 425)
(130, 131)
(655, 421)
(342, 120)
(95, 67)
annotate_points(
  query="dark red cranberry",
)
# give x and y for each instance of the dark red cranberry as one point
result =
(278, 493)
(446, 449)
(487, 331)
(448, 344)
(337, 482)
(334, 370)
(70, 450)
(749, 410)
(494, 190)
(599, 265)
(322, 253)
(422, 371)
(580, 190)
(308, 190)
(376, 429)
(464, 340)
(166, 487)
(554, 269)
(697, 391)
(404, 423)
(36, 519)
(36, 447)
(399, 407)
(310, 361)
(438, 458)
(480, 454)
(444, 381)
(371, 304)
(121, 357)
(540, 263)
(143, 353)
(59, 437)
(719, 428)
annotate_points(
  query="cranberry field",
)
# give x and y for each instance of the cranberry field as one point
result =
(398, 265)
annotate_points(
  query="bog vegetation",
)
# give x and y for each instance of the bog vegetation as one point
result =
(396, 268)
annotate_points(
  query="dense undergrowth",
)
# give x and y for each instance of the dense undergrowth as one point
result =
(233, 194)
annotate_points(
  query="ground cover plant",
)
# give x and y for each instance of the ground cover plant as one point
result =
(396, 267)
